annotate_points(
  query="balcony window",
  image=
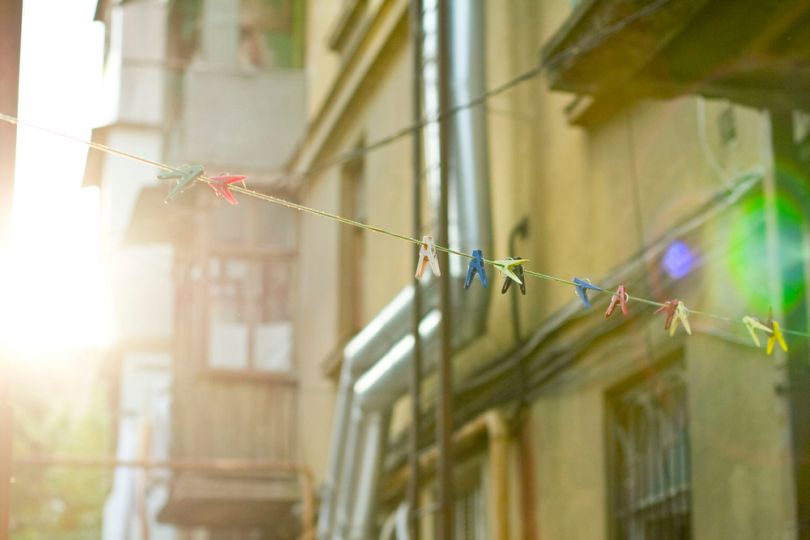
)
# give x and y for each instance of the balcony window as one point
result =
(249, 270)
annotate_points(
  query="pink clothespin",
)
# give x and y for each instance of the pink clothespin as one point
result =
(220, 185)
(668, 308)
(427, 255)
(621, 298)
(676, 313)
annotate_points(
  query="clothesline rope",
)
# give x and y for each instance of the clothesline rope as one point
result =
(347, 221)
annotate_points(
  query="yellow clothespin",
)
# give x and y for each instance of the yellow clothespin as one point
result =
(507, 266)
(427, 255)
(753, 324)
(681, 315)
(776, 334)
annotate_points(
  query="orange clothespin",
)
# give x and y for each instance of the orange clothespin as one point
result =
(753, 324)
(427, 255)
(621, 298)
(776, 334)
(220, 186)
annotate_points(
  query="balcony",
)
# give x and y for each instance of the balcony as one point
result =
(237, 120)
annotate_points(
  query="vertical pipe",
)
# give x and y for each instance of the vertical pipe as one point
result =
(10, 34)
(498, 459)
(416, 364)
(444, 410)
(792, 181)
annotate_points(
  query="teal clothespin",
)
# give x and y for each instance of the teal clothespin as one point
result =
(185, 176)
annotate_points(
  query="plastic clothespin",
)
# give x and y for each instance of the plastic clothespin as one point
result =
(620, 298)
(512, 268)
(668, 308)
(427, 255)
(753, 324)
(776, 334)
(682, 316)
(185, 176)
(582, 286)
(476, 265)
(220, 184)
(676, 313)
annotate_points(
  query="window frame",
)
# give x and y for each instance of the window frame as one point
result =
(647, 382)
(247, 250)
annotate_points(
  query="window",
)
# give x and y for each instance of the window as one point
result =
(271, 33)
(352, 253)
(650, 460)
(249, 268)
(470, 502)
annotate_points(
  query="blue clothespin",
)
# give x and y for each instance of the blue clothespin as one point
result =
(582, 286)
(476, 265)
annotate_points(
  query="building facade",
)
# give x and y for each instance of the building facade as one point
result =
(205, 375)
(659, 148)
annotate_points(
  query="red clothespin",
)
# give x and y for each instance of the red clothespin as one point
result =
(220, 185)
(621, 298)
(427, 255)
(669, 308)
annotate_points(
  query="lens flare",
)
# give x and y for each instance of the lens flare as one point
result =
(748, 257)
(678, 260)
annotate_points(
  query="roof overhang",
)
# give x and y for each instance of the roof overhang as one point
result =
(748, 51)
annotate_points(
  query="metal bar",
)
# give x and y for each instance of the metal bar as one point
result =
(10, 34)
(217, 465)
(416, 364)
(444, 410)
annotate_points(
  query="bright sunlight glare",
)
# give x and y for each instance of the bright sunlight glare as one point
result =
(54, 295)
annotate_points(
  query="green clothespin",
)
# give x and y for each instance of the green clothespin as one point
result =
(185, 176)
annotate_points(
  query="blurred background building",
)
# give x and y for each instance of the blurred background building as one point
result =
(204, 364)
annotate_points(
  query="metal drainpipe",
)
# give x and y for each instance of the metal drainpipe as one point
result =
(348, 510)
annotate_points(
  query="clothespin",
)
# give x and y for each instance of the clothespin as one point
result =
(753, 324)
(512, 268)
(476, 265)
(668, 308)
(682, 316)
(582, 286)
(621, 298)
(776, 334)
(185, 176)
(676, 313)
(220, 186)
(427, 255)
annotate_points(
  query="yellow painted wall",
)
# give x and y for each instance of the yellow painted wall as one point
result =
(579, 186)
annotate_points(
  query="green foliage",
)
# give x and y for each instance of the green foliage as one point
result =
(62, 503)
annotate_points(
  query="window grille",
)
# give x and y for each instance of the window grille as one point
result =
(650, 460)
